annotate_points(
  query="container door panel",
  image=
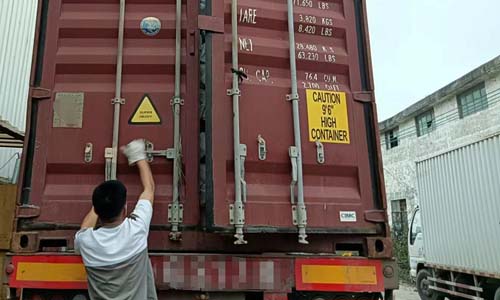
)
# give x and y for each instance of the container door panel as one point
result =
(339, 191)
(76, 125)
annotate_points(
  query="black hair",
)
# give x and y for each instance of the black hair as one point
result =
(109, 199)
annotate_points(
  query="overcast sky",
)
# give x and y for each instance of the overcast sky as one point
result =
(419, 46)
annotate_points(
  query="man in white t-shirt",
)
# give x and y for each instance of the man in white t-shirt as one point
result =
(114, 247)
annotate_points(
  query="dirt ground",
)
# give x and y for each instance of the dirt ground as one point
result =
(407, 292)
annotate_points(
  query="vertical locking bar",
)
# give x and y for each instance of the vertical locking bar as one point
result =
(112, 158)
(294, 98)
(239, 209)
(176, 208)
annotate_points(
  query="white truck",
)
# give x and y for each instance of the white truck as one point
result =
(454, 235)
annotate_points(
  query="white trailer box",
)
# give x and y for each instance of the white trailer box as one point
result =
(459, 237)
(459, 194)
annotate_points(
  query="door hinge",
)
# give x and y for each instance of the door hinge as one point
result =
(212, 24)
(366, 97)
(39, 93)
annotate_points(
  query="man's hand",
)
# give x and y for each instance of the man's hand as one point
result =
(135, 151)
(90, 220)
(136, 154)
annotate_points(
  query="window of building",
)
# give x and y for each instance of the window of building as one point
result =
(399, 217)
(425, 123)
(392, 138)
(472, 101)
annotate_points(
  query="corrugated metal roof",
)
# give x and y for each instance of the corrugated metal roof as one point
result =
(18, 22)
(10, 136)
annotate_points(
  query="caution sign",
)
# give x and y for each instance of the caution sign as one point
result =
(328, 117)
(145, 113)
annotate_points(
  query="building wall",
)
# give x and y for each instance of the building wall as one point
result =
(17, 24)
(450, 132)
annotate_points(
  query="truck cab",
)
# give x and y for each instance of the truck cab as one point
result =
(434, 282)
(415, 244)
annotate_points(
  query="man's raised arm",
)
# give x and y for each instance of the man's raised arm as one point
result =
(147, 181)
(136, 154)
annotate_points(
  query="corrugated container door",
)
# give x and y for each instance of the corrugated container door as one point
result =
(75, 125)
(339, 151)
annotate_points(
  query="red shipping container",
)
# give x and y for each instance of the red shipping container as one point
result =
(76, 90)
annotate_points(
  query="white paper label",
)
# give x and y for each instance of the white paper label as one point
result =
(348, 216)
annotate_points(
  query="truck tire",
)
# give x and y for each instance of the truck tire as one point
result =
(423, 287)
(497, 294)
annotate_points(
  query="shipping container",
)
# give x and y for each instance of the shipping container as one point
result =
(17, 20)
(456, 226)
(264, 149)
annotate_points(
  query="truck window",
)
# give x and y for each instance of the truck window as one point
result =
(416, 227)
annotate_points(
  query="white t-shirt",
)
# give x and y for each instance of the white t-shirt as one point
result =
(111, 246)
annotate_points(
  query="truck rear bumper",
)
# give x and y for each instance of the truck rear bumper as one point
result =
(215, 273)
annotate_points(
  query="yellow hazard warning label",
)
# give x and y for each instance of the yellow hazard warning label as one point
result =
(145, 113)
(328, 117)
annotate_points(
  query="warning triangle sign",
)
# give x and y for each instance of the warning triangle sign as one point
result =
(145, 113)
